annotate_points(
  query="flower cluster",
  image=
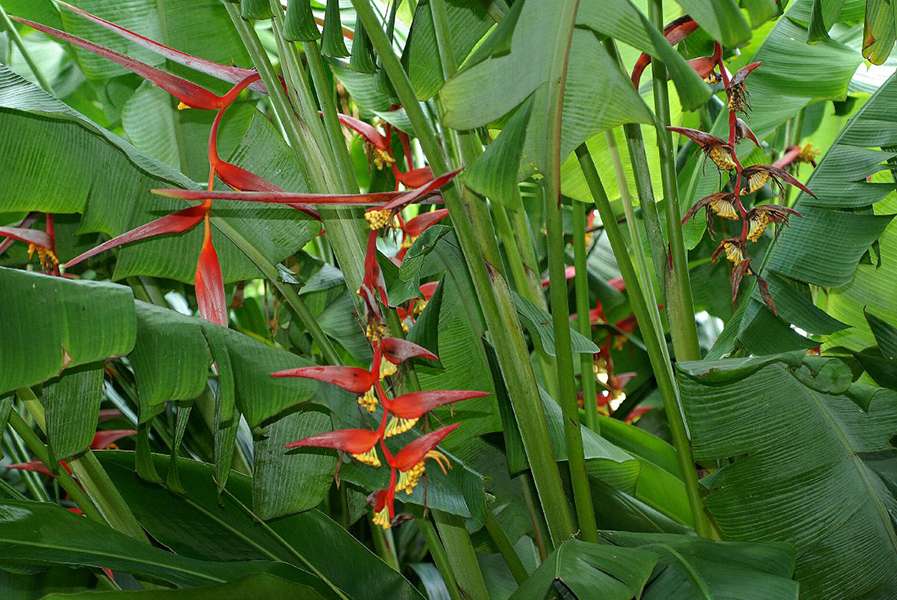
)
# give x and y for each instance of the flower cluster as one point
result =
(728, 204)
(398, 414)
(42, 243)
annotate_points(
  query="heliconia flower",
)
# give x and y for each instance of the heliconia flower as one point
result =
(428, 289)
(413, 178)
(410, 459)
(674, 32)
(38, 241)
(409, 408)
(281, 197)
(760, 217)
(569, 273)
(705, 67)
(384, 505)
(397, 350)
(178, 222)
(25, 223)
(719, 151)
(737, 91)
(360, 443)
(209, 281)
(721, 204)
(228, 73)
(351, 379)
(187, 92)
(106, 438)
(734, 250)
(412, 229)
(373, 275)
(758, 175)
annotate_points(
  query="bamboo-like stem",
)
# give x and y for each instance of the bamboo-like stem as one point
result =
(503, 543)
(289, 294)
(462, 557)
(37, 448)
(385, 550)
(560, 308)
(653, 341)
(440, 557)
(680, 304)
(581, 286)
(493, 294)
(10, 28)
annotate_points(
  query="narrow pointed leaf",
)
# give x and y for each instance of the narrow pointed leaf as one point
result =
(299, 22)
(333, 44)
(373, 199)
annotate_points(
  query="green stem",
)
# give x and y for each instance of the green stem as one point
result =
(493, 294)
(65, 480)
(680, 304)
(440, 557)
(462, 557)
(503, 543)
(385, 550)
(94, 480)
(560, 308)
(653, 341)
(581, 285)
(289, 294)
(20, 44)
(19, 454)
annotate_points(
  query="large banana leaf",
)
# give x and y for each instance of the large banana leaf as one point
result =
(49, 154)
(39, 533)
(49, 324)
(794, 443)
(825, 244)
(203, 525)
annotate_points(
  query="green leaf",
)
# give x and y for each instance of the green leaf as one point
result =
(885, 334)
(50, 323)
(299, 22)
(722, 19)
(261, 585)
(370, 90)
(494, 173)
(761, 11)
(822, 17)
(590, 571)
(689, 568)
(72, 404)
(255, 9)
(621, 20)
(37, 533)
(202, 525)
(332, 43)
(538, 322)
(468, 22)
(804, 480)
(880, 30)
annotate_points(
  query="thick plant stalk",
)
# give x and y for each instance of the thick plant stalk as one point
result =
(678, 287)
(560, 309)
(652, 338)
(581, 287)
(462, 557)
(440, 557)
(503, 543)
(494, 297)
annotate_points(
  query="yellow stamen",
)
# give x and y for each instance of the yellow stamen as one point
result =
(808, 153)
(441, 460)
(408, 479)
(724, 208)
(46, 257)
(387, 369)
(368, 458)
(757, 181)
(381, 518)
(759, 222)
(733, 253)
(382, 158)
(368, 401)
(398, 426)
(182, 106)
(375, 331)
(408, 241)
(722, 157)
(377, 219)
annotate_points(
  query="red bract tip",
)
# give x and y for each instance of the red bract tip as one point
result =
(224, 72)
(288, 198)
(743, 72)
(699, 137)
(28, 236)
(352, 441)
(674, 32)
(186, 91)
(351, 379)
(424, 221)
(209, 282)
(25, 223)
(178, 222)
(397, 350)
(106, 437)
(370, 133)
(569, 273)
(413, 178)
(417, 450)
(417, 404)
(703, 65)
(428, 289)
(373, 276)
(422, 191)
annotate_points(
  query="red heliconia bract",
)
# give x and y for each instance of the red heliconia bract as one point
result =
(351, 379)
(397, 350)
(415, 452)
(424, 221)
(209, 282)
(414, 405)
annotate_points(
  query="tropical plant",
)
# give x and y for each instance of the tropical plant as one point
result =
(365, 299)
